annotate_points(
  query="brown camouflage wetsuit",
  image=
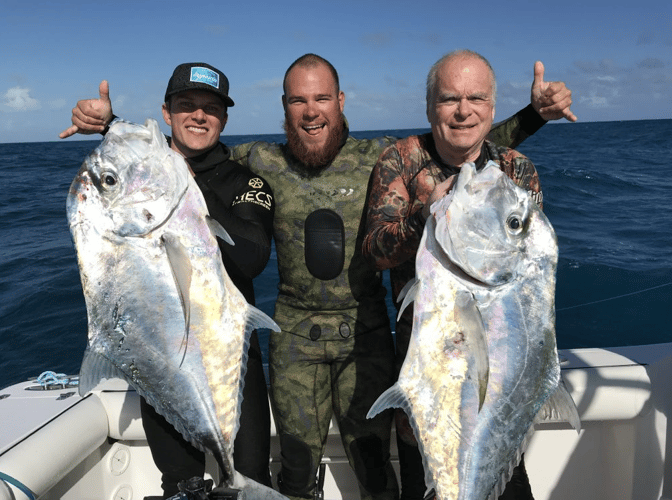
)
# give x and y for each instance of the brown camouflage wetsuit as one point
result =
(401, 183)
(334, 355)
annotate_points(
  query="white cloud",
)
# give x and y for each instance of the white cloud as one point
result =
(594, 101)
(18, 99)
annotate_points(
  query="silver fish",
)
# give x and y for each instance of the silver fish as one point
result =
(483, 360)
(162, 312)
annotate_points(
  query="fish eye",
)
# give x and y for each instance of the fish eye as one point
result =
(108, 179)
(514, 223)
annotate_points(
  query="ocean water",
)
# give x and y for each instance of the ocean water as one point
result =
(607, 190)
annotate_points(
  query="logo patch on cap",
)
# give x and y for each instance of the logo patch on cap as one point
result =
(204, 75)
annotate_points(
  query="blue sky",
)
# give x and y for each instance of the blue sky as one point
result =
(615, 56)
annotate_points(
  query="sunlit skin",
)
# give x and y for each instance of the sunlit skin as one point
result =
(313, 105)
(462, 109)
(196, 119)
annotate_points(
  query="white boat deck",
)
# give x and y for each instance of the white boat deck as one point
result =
(59, 445)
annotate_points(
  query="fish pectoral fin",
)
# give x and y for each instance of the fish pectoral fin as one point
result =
(259, 319)
(560, 406)
(469, 320)
(391, 398)
(180, 265)
(95, 367)
(408, 294)
(218, 230)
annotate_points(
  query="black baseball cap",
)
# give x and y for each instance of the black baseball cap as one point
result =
(199, 76)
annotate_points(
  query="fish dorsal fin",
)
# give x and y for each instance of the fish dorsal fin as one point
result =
(408, 294)
(391, 398)
(560, 406)
(468, 317)
(180, 265)
(218, 230)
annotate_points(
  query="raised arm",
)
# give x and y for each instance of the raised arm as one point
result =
(91, 116)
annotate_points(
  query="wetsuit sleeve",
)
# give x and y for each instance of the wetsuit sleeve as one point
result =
(240, 153)
(528, 179)
(248, 220)
(523, 173)
(515, 129)
(394, 224)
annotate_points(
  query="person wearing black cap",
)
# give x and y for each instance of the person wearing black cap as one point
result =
(195, 107)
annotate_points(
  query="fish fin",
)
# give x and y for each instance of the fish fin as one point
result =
(507, 473)
(391, 398)
(255, 319)
(180, 265)
(468, 317)
(218, 230)
(259, 319)
(408, 293)
(560, 406)
(254, 490)
(95, 368)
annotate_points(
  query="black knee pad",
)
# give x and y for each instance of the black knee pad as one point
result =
(371, 463)
(297, 475)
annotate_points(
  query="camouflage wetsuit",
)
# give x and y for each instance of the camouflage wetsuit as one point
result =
(335, 354)
(401, 183)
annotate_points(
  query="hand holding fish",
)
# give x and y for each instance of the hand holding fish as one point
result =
(440, 190)
(91, 116)
(550, 99)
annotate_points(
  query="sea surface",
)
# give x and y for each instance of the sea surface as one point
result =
(607, 190)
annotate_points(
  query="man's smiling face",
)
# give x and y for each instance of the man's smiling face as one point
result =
(313, 114)
(462, 108)
(196, 119)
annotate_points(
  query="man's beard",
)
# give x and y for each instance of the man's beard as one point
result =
(312, 157)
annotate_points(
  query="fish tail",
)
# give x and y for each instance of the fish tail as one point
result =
(254, 490)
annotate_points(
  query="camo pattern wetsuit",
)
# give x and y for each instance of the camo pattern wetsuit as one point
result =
(401, 183)
(243, 204)
(334, 355)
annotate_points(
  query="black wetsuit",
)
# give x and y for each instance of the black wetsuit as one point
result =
(243, 204)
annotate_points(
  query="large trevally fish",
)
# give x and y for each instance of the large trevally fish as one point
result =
(482, 361)
(162, 312)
